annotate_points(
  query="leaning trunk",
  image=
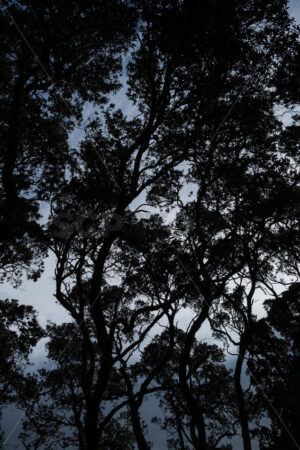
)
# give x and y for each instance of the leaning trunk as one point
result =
(243, 414)
(137, 428)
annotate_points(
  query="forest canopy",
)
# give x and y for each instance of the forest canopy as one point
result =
(172, 221)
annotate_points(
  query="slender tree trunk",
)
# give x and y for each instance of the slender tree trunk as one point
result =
(137, 428)
(198, 431)
(243, 414)
(179, 425)
(91, 428)
(197, 420)
(181, 439)
(134, 412)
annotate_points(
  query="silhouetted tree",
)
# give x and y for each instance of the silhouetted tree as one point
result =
(275, 364)
(210, 381)
(75, 57)
(203, 81)
(19, 333)
(57, 417)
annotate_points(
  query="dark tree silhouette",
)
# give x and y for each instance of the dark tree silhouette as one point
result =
(211, 383)
(19, 333)
(275, 364)
(72, 54)
(57, 418)
(205, 83)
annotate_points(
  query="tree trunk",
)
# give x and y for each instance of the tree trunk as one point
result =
(197, 420)
(137, 428)
(91, 429)
(134, 412)
(243, 414)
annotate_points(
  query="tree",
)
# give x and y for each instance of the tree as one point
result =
(129, 310)
(274, 363)
(203, 81)
(56, 419)
(49, 69)
(19, 333)
(211, 383)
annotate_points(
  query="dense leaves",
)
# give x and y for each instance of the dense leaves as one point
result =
(172, 216)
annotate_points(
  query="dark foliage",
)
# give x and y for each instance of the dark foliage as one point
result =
(204, 86)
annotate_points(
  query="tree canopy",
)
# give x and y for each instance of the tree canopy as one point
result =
(171, 220)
